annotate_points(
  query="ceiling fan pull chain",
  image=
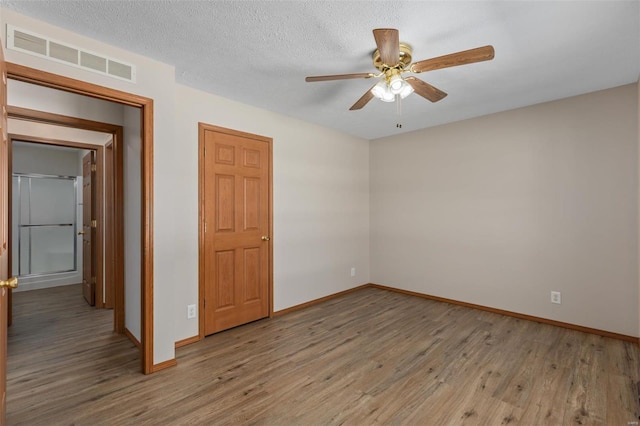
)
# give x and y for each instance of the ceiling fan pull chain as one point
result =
(399, 110)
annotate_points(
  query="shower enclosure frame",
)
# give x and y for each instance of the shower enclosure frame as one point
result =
(20, 226)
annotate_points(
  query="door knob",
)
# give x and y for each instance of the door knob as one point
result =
(81, 233)
(10, 283)
(265, 238)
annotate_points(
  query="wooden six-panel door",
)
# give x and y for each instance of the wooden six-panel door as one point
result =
(236, 207)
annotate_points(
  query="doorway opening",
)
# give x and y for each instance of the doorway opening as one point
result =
(33, 153)
(144, 106)
(50, 230)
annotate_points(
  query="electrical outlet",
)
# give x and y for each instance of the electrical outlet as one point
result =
(191, 311)
(353, 272)
(556, 297)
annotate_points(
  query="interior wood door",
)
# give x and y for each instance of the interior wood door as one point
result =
(4, 236)
(88, 214)
(235, 262)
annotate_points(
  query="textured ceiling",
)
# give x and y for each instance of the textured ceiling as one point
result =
(258, 52)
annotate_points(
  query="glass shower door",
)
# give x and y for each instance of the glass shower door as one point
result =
(45, 220)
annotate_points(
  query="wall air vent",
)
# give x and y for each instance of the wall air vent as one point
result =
(30, 43)
(38, 45)
(94, 62)
(63, 53)
(119, 70)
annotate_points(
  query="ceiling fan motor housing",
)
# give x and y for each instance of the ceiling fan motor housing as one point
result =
(403, 61)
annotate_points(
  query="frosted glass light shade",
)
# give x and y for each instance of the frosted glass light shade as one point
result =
(406, 90)
(382, 92)
(396, 84)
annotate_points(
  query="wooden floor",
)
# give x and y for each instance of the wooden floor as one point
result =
(370, 357)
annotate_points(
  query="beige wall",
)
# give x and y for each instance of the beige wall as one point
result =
(320, 197)
(154, 80)
(34, 158)
(502, 209)
(132, 220)
(321, 194)
(40, 130)
(41, 98)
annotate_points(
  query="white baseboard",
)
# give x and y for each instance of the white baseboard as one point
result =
(47, 281)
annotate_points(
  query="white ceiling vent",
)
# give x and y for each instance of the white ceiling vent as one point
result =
(38, 45)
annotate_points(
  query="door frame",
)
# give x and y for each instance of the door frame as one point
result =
(202, 127)
(112, 176)
(54, 81)
(113, 220)
(103, 256)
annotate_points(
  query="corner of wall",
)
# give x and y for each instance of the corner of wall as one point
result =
(638, 192)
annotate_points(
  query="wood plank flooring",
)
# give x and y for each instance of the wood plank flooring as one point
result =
(369, 357)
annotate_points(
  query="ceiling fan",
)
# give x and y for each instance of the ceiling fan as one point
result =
(393, 59)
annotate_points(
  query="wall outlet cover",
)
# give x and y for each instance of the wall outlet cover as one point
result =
(191, 311)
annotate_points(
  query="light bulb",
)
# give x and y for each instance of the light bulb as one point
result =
(388, 96)
(382, 92)
(406, 90)
(379, 89)
(395, 84)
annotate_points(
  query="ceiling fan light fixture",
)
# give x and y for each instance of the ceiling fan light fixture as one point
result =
(383, 92)
(406, 90)
(396, 84)
(392, 58)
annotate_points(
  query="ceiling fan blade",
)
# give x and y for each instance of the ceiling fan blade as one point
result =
(425, 90)
(470, 56)
(360, 103)
(339, 77)
(388, 43)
